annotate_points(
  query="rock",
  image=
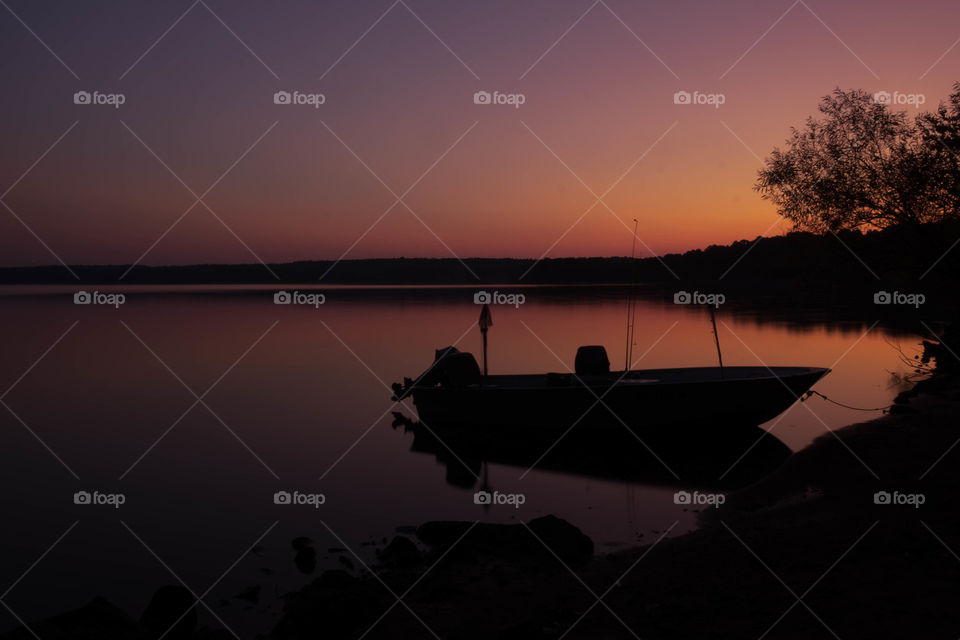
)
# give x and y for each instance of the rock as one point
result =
(251, 594)
(401, 553)
(167, 606)
(300, 543)
(335, 605)
(898, 409)
(486, 561)
(512, 541)
(567, 541)
(96, 619)
(334, 579)
(306, 558)
(205, 633)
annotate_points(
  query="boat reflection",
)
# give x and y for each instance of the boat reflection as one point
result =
(694, 459)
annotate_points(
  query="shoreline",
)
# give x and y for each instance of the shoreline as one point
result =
(804, 552)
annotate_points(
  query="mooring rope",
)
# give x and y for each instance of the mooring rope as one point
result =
(840, 404)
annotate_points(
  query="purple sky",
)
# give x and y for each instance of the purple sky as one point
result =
(297, 182)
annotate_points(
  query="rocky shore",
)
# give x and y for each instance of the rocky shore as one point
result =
(856, 536)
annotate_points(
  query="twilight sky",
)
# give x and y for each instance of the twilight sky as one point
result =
(282, 182)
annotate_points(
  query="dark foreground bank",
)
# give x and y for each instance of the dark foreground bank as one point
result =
(821, 548)
(854, 537)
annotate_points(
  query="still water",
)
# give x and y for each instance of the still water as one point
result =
(295, 398)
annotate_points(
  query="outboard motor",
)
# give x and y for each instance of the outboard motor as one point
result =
(592, 361)
(459, 370)
(451, 368)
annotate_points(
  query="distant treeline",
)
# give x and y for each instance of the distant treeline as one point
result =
(848, 257)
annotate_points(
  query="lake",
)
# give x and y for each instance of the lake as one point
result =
(195, 406)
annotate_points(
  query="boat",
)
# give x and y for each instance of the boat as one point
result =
(454, 391)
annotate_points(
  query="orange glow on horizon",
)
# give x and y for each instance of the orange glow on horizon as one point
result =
(598, 120)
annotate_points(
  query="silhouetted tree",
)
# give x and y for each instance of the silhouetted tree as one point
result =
(940, 132)
(864, 166)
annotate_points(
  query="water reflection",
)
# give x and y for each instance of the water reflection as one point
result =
(700, 458)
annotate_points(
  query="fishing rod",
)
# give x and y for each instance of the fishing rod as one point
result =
(631, 307)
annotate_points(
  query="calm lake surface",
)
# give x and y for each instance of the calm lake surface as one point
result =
(298, 401)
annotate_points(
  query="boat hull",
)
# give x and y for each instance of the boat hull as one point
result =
(647, 399)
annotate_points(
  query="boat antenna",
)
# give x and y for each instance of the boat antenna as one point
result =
(716, 339)
(485, 322)
(630, 303)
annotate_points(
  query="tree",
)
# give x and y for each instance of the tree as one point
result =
(940, 131)
(864, 166)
